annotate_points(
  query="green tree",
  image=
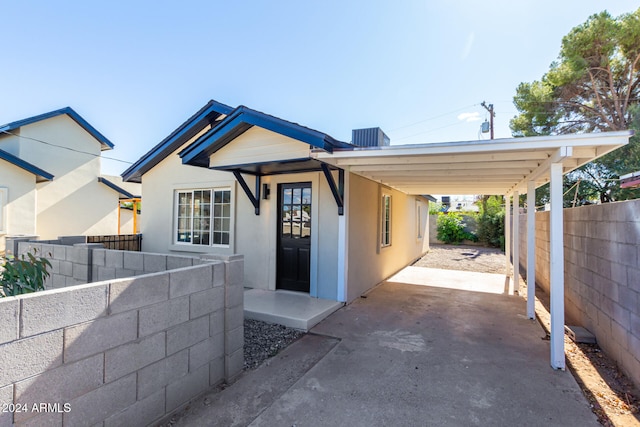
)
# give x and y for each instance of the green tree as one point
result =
(491, 221)
(594, 86)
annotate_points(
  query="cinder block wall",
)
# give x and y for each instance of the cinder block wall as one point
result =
(602, 274)
(89, 262)
(123, 351)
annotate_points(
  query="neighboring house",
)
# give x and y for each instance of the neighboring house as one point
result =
(129, 201)
(235, 180)
(459, 203)
(50, 183)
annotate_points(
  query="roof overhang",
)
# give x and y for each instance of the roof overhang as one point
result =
(122, 193)
(105, 144)
(241, 120)
(276, 167)
(208, 115)
(40, 174)
(499, 166)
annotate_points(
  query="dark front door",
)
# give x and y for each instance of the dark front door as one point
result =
(294, 236)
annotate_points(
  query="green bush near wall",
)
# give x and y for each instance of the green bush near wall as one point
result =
(23, 275)
(490, 229)
(451, 228)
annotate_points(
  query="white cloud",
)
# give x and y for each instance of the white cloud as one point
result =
(469, 117)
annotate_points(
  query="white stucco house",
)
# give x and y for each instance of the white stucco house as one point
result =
(235, 180)
(50, 181)
(333, 219)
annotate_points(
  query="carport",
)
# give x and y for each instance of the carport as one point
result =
(505, 167)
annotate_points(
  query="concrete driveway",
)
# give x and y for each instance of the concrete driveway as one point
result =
(409, 355)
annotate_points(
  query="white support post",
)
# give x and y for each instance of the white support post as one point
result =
(507, 233)
(531, 249)
(516, 241)
(343, 243)
(556, 237)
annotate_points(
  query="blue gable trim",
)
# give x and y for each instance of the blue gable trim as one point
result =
(206, 115)
(117, 189)
(241, 120)
(104, 142)
(40, 174)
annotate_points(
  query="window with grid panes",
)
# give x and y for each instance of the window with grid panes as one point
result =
(203, 217)
(386, 221)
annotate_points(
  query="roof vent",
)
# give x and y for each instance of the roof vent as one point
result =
(369, 137)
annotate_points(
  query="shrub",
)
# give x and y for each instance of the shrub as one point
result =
(24, 275)
(491, 222)
(450, 228)
(435, 208)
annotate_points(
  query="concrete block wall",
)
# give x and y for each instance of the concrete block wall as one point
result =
(123, 351)
(602, 274)
(82, 263)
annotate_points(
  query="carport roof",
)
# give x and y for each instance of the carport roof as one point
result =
(499, 166)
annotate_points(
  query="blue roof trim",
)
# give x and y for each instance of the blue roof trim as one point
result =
(207, 114)
(104, 142)
(117, 188)
(40, 174)
(241, 120)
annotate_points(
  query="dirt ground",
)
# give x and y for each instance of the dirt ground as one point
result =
(613, 397)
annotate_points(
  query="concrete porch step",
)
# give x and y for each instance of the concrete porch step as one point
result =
(293, 309)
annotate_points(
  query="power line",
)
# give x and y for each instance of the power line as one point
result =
(432, 118)
(66, 148)
(427, 131)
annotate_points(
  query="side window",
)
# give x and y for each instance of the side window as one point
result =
(419, 225)
(4, 197)
(386, 221)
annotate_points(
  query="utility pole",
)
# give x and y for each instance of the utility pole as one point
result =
(489, 108)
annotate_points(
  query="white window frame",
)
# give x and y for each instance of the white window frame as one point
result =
(4, 201)
(419, 233)
(385, 220)
(212, 218)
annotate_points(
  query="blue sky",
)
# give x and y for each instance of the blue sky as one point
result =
(418, 69)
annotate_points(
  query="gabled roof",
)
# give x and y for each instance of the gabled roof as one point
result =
(104, 142)
(40, 174)
(206, 115)
(241, 120)
(124, 194)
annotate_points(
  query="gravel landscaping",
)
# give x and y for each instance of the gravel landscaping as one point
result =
(263, 340)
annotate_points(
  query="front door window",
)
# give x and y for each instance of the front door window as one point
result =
(294, 237)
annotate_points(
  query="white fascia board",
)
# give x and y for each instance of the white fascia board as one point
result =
(495, 165)
(496, 145)
(425, 159)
